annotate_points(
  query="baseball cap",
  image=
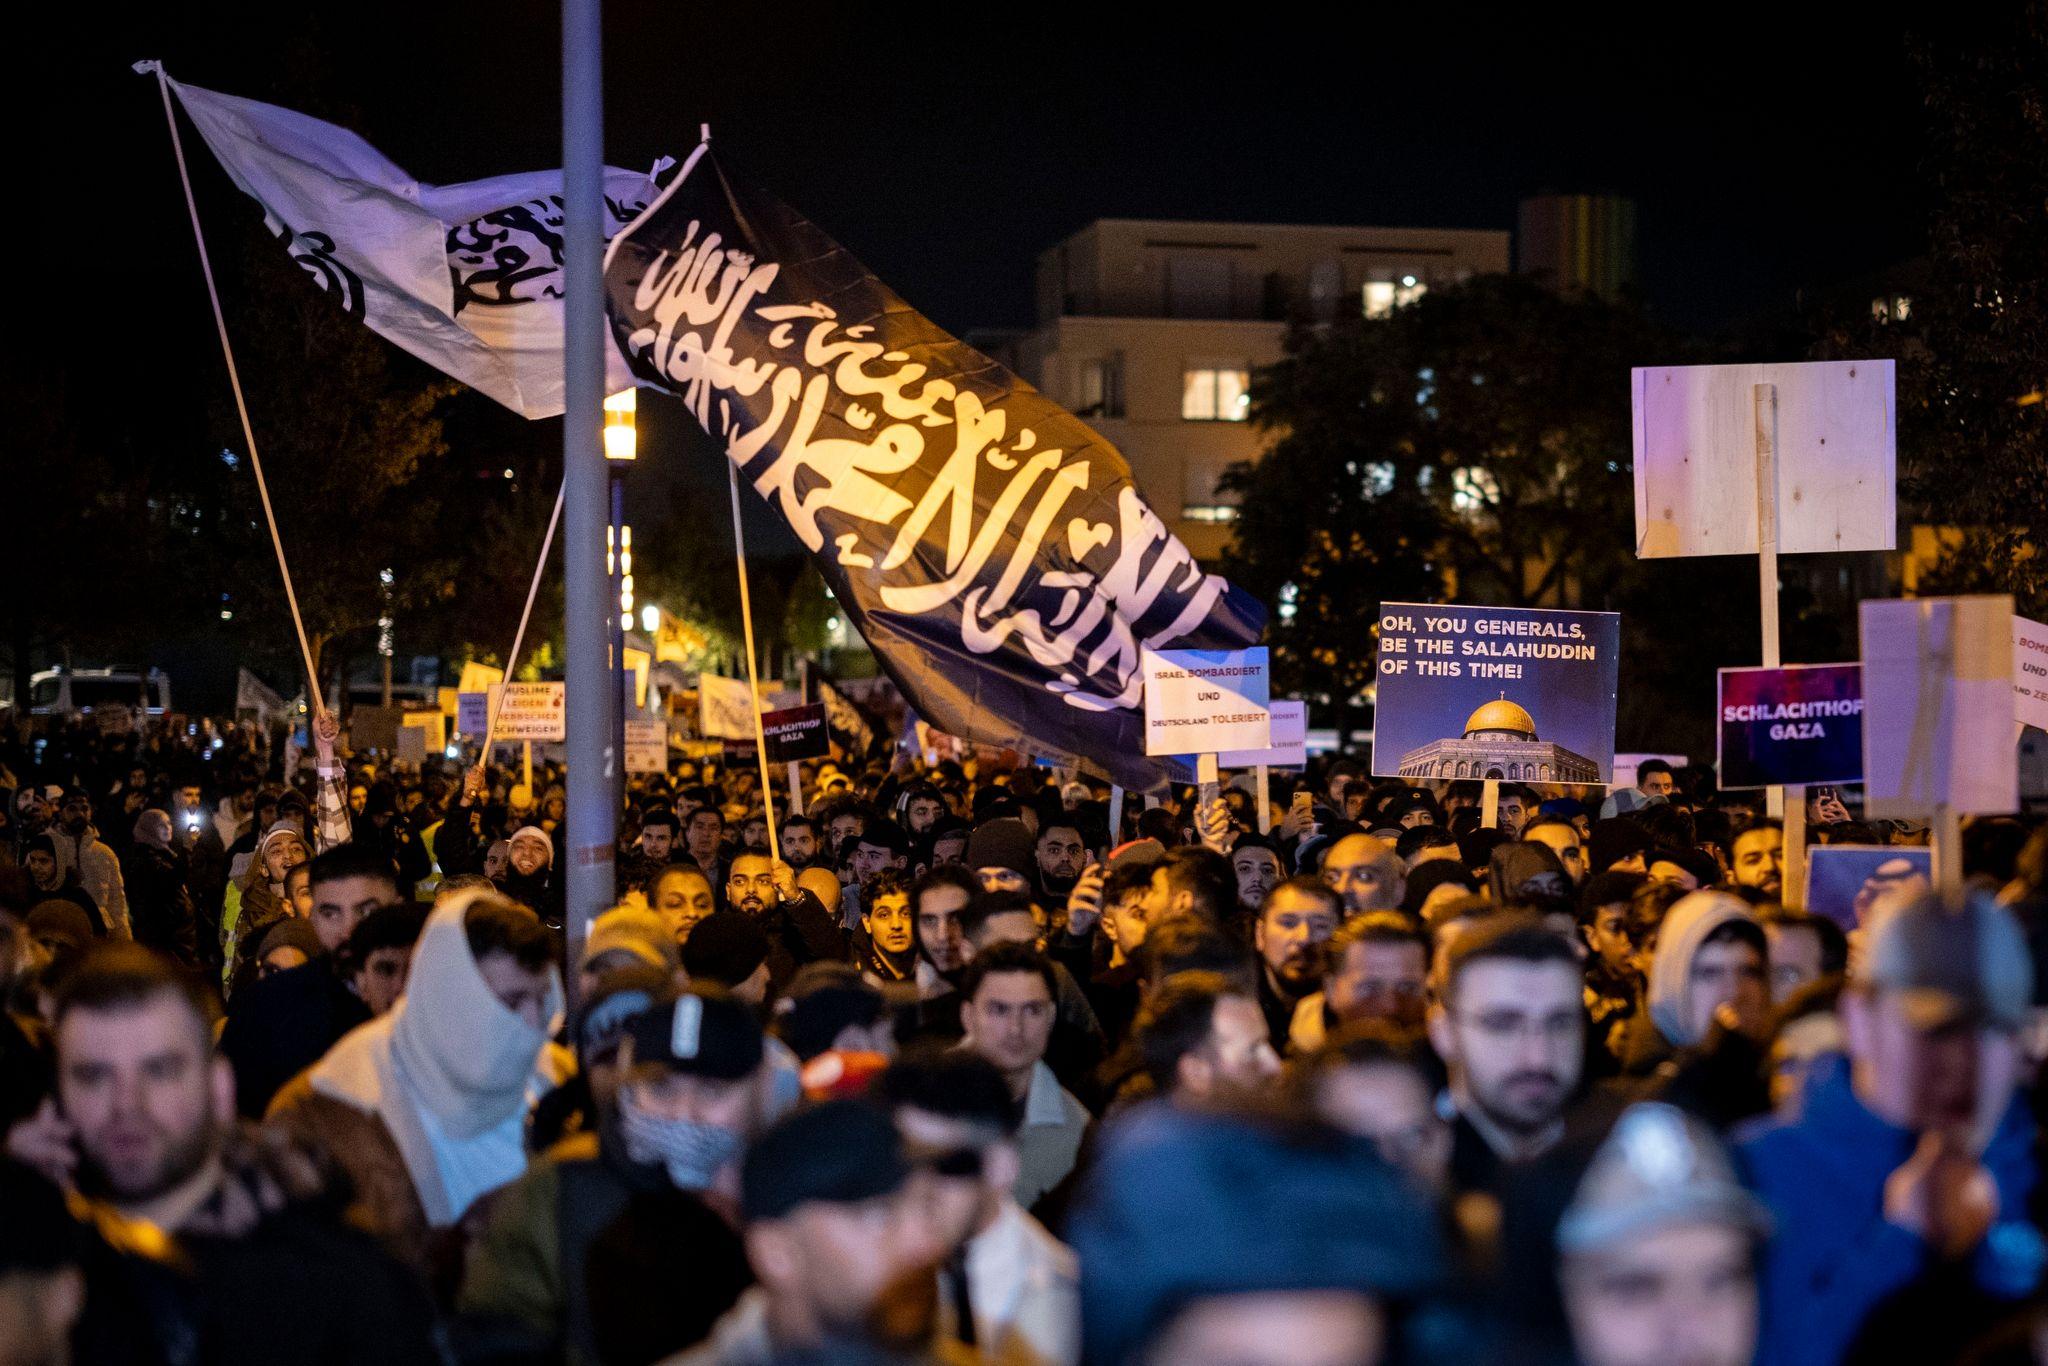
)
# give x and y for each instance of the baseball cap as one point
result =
(839, 1152)
(1946, 966)
(703, 1033)
(1658, 1166)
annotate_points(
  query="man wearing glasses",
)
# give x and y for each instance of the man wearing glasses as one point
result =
(1511, 1028)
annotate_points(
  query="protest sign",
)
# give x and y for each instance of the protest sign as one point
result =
(1206, 701)
(1799, 724)
(725, 708)
(2030, 673)
(433, 729)
(1516, 693)
(796, 733)
(532, 711)
(646, 746)
(472, 713)
(477, 677)
(1938, 707)
(374, 728)
(1843, 881)
(1832, 450)
(1289, 748)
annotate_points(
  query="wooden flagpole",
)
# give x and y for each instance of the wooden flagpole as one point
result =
(739, 550)
(227, 352)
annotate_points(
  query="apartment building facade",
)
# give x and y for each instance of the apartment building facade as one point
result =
(1152, 330)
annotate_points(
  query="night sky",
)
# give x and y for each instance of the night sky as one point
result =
(946, 146)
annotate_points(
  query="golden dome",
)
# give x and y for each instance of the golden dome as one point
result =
(1502, 715)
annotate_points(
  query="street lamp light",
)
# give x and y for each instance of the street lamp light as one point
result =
(650, 618)
(621, 437)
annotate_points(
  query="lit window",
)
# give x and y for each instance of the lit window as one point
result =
(1215, 394)
(1102, 388)
(1208, 512)
(1384, 296)
(1473, 489)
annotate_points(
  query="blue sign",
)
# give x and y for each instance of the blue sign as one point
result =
(1795, 725)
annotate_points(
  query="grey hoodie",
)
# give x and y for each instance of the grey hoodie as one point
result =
(1686, 927)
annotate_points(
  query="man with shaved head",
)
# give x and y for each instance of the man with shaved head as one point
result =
(1366, 874)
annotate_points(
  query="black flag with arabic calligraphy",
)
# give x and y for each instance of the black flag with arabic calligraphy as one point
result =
(988, 545)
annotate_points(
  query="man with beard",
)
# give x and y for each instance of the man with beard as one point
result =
(1511, 1028)
(1293, 926)
(81, 851)
(1258, 871)
(831, 1228)
(890, 931)
(1758, 855)
(149, 1113)
(658, 828)
(936, 901)
(1378, 967)
(1366, 874)
(1203, 1041)
(799, 928)
(615, 1245)
(922, 807)
(530, 875)
(799, 841)
(1060, 854)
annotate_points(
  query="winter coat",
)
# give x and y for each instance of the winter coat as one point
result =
(159, 907)
(99, 873)
(1833, 1257)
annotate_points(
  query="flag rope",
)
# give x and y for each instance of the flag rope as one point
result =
(739, 550)
(235, 381)
(547, 543)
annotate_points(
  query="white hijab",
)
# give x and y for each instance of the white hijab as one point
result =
(446, 1070)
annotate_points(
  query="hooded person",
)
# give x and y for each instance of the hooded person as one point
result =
(82, 852)
(48, 880)
(1002, 854)
(154, 873)
(616, 1245)
(1694, 1044)
(425, 1106)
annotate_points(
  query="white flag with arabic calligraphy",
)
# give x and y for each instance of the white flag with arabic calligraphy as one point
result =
(466, 277)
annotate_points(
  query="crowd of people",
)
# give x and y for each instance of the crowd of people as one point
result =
(974, 1062)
